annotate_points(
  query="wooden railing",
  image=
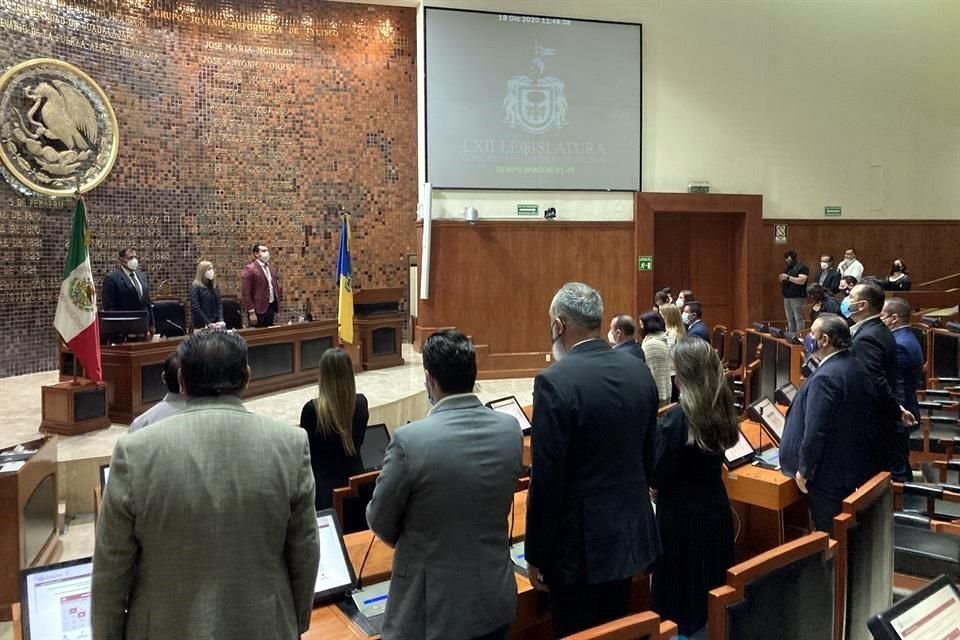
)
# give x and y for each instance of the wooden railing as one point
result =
(940, 284)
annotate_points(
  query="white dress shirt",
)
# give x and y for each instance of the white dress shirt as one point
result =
(171, 404)
(851, 268)
(266, 272)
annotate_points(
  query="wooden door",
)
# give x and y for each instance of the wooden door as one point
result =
(696, 251)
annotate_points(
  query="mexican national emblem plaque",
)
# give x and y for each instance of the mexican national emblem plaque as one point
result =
(58, 132)
(535, 102)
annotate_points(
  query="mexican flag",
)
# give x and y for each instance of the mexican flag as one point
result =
(76, 319)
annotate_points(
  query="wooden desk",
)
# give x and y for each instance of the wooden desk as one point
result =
(762, 499)
(281, 357)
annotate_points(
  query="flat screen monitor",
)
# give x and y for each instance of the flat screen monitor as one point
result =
(335, 575)
(930, 613)
(784, 354)
(946, 355)
(739, 454)
(55, 601)
(116, 326)
(511, 407)
(769, 417)
(374, 446)
(104, 476)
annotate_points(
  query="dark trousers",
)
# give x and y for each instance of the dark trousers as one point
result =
(497, 634)
(575, 607)
(823, 508)
(898, 455)
(265, 319)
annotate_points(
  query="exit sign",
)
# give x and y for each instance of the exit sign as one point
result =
(645, 263)
(527, 209)
(832, 212)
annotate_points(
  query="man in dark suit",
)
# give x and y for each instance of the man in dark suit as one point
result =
(126, 288)
(829, 276)
(896, 315)
(693, 317)
(260, 288)
(442, 501)
(830, 427)
(590, 525)
(622, 335)
(875, 347)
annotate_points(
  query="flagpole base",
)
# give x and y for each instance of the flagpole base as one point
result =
(71, 408)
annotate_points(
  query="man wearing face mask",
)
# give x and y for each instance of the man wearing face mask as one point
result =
(896, 315)
(260, 288)
(794, 283)
(590, 525)
(126, 288)
(830, 426)
(850, 265)
(623, 335)
(442, 501)
(829, 276)
(874, 346)
(692, 317)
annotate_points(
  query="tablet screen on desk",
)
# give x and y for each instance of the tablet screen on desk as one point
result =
(740, 453)
(56, 601)
(767, 414)
(335, 574)
(511, 407)
(931, 612)
(374, 446)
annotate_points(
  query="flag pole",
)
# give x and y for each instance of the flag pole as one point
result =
(76, 381)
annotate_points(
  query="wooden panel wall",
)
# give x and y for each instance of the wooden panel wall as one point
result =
(930, 249)
(495, 280)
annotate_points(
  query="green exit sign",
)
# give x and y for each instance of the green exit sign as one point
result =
(645, 263)
(527, 209)
(832, 212)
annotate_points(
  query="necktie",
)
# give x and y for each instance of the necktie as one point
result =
(136, 284)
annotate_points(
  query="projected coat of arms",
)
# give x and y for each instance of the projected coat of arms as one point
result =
(58, 132)
(535, 102)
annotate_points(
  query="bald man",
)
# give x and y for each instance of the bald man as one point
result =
(623, 335)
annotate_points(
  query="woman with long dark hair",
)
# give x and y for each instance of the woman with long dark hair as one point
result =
(335, 422)
(693, 511)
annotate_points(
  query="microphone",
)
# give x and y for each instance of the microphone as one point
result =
(175, 326)
(373, 538)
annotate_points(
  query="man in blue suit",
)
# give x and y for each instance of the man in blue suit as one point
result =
(693, 317)
(830, 430)
(896, 315)
(623, 335)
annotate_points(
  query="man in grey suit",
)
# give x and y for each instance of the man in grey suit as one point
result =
(442, 501)
(208, 527)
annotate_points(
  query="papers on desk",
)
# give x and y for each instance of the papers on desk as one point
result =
(10, 467)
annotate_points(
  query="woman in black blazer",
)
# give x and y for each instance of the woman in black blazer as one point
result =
(899, 279)
(206, 310)
(335, 422)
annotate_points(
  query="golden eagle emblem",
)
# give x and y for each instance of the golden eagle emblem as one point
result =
(83, 295)
(58, 132)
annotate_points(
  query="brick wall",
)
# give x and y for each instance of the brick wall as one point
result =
(240, 121)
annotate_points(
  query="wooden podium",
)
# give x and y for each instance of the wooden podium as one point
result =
(378, 327)
(71, 408)
(28, 519)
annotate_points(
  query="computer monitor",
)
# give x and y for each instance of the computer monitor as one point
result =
(510, 406)
(929, 613)
(55, 600)
(786, 393)
(104, 476)
(374, 447)
(117, 326)
(769, 417)
(335, 575)
(739, 454)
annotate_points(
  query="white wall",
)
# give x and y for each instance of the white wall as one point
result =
(834, 102)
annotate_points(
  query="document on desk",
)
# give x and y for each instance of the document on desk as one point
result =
(935, 618)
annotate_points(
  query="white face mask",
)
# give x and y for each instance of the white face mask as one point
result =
(209, 274)
(680, 302)
(685, 317)
(611, 338)
(132, 264)
(264, 257)
(824, 265)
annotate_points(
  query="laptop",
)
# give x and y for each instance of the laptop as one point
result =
(511, 407)
(55, 600)
(104, 476)
(769, 417)
(930, 613)
(739, 454)
(374, 447)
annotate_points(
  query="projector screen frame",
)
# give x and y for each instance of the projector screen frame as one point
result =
(426, 118)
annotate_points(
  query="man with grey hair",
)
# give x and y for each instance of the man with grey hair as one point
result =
(830, 425)
(590, 525)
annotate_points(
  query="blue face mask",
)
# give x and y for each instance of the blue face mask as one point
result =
(845, 307)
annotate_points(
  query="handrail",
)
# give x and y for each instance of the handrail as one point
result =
(938, 280)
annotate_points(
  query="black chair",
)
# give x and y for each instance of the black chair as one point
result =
(786, 593)
(169, 317)
(232, 316)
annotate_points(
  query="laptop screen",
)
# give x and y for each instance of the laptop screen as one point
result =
(104, 476)
(56, 601)
(374, 447)
(335, 574)
(511, 407)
